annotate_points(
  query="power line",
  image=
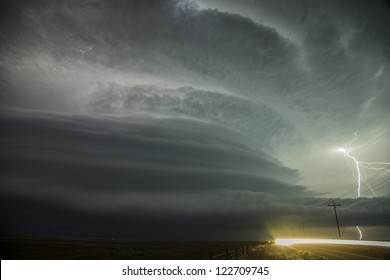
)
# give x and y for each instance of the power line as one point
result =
(335, 213)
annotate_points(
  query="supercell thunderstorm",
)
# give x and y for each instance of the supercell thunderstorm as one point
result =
(194, 114)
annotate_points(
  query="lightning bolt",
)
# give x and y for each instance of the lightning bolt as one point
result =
(357, 163)
(360, 232)
(360, 167)
(83, 50)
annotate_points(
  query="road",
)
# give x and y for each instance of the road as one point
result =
(343, 252)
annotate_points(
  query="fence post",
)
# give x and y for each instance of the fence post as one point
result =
(227, 252)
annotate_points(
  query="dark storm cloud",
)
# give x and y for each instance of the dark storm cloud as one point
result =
(163, 37)
(68, 172)
(164, 34)
(162, 146)
(41, 217)
(167, 170)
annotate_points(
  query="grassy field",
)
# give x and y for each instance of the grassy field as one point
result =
(105, 249)
(31, 248)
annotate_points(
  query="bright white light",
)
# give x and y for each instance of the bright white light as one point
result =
(360, 232)
(342, 150)
(361, 166)
(287, 242)
(83, 50)
(359, 175)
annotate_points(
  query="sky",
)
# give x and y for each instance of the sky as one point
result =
(195, 119)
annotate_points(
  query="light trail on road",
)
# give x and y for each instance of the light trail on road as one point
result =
(291, 241)
(329, 252)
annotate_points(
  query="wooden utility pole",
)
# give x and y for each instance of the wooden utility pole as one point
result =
(335, 213)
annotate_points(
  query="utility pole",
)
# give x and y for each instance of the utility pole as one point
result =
(335, 213)
(303, 228)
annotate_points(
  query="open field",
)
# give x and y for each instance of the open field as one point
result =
(106, 249)
(77, 249)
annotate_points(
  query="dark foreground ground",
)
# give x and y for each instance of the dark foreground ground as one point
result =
(30, 248)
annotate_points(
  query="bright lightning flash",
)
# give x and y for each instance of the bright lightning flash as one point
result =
(359, 176)
(360, 232)
(363, 165)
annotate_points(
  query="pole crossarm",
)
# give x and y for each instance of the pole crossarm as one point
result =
(334, 205)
